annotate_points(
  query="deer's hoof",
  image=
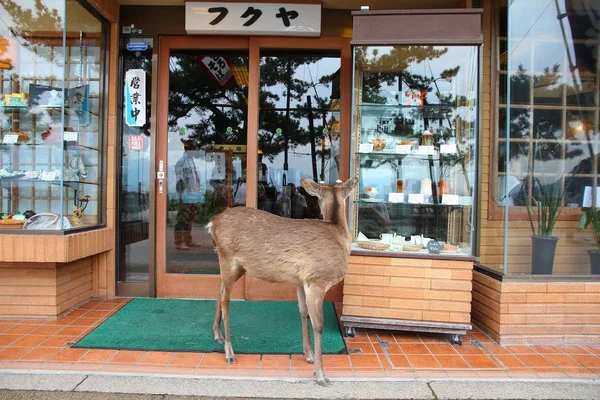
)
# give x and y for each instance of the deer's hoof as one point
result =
(309, 358)
(231, 359)
(219, 340)
(323, 382)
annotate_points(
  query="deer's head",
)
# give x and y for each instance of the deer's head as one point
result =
(332, 199)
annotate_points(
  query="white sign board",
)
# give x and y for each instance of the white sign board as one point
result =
(135, 97)
(218, 68)
(282, 19)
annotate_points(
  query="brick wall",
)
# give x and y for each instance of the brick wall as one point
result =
(537, 312)
(43, 290)
(408, 288)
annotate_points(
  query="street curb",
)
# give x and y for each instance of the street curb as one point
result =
(286, 388)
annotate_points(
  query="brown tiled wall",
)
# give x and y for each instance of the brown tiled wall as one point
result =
(537, 312)
(410, 289)
(43, 290)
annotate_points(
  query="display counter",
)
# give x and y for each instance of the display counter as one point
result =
(415, 124)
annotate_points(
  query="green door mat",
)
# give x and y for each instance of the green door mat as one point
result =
(259, 327)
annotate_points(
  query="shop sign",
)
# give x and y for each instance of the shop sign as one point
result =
(253, 19)
(136, 142)
(135, 97)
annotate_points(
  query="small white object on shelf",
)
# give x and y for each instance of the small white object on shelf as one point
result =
(450, 199)
(429, 150)
(396, 197)
(416, 198)
(365, 148)
(465, 200)
(448, 148)
(403, 148)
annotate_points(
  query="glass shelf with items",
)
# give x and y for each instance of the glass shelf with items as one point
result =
(414, 147)
(50, 176)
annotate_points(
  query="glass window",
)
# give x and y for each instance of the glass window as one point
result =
(547, 128)
(299, 130)
(51, 54)
(206, 165)
(414, 142)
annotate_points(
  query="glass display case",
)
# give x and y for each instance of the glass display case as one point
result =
(51, 118)
(414, 135)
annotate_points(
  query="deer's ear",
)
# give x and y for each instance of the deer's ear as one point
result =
(349, 185)
(311, 186)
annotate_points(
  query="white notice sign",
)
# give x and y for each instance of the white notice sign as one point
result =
(69, 136)
(10, 139)
(282, 19)
(135, 97)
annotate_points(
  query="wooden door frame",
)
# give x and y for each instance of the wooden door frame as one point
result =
(256, 289)
(178, 285)
(182, 285)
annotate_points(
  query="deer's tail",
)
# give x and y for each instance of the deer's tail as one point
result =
(209, 226)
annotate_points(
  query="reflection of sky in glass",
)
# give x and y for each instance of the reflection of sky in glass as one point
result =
(464, 84)
(557, 42)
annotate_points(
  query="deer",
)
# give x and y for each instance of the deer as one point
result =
(310, 254)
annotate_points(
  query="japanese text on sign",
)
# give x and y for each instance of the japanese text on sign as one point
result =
(218, 68)
(255, 19)
(136, 142)
(218, 172)
(135, 97)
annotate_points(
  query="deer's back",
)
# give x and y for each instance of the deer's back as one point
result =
(279, 249)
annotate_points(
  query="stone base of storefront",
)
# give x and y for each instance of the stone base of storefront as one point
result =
(533, 310)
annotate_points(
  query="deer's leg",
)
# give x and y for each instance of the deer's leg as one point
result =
(314, 302)
(227, 282)
(306, 347)
(217, 323)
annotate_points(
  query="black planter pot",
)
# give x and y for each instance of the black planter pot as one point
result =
(595, 261)
(542, 254)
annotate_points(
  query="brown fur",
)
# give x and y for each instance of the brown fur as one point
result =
(309, 254)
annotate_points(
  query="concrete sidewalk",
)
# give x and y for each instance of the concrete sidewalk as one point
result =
(108, 386)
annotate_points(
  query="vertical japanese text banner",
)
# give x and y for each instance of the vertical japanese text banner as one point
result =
(135, 97)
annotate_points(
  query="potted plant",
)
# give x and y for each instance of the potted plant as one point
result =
(591, 216)
(544, 206)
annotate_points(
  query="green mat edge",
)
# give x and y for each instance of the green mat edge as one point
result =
(77, 346)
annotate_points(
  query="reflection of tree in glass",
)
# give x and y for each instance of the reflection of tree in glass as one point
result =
(450, 124)
(192, 91)
(27, 21)
(279, 71)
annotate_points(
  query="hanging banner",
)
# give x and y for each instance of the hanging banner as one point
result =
(218, 68)
(135, 97)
